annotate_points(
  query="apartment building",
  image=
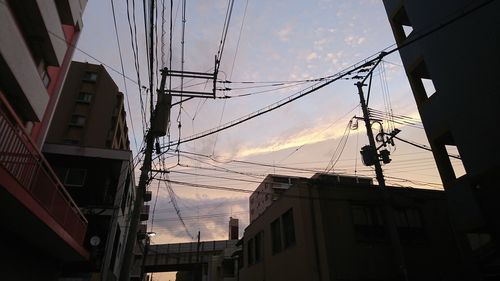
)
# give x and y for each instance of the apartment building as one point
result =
(451, 73)
(88, 147)
(92, 112)
(42, 226)
(331, 227)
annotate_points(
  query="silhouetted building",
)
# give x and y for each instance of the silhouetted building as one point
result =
(101, 181)
(332, 227)
(88, 147)
(452, 73)
(41, 225)
(91, 111)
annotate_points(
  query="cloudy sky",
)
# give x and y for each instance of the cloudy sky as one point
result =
(274, 45)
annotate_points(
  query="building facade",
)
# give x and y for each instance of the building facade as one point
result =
(88, 147)
(331, 227)
(267, 192)
(451, 73)
(101, 181)
(92, 112)
(42, 225)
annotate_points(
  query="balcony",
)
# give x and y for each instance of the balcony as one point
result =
(33, 198)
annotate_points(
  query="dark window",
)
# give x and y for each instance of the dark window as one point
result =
(250, 252)
(84, 97)
(288, 229)
(368, 223)
(228, 268)
(276, 236)
(410, 225)
(258, 246)
(75, 177)
(90, 76)
(78, 120)
(478, 240)
(45, 78)
(403, 24)
(422, 82)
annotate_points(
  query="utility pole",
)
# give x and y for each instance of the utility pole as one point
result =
(158, 119)
(388, 209)
(199, 272)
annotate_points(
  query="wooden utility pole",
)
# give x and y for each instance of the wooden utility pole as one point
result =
(388, 209)
(153, 132)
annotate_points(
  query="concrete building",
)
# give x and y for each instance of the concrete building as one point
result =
(452, 73)
(267, 192)
(92, 112)
(331, 227)
(101, 181)
(41, 225)
(88, 147)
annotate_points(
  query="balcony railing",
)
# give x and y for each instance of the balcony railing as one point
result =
(25, 163)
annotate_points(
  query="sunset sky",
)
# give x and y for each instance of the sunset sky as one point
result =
(279, 41)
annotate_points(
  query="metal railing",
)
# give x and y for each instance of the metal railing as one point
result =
(26, 164)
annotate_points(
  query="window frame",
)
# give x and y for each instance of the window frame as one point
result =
(276, 243)
(81, 183)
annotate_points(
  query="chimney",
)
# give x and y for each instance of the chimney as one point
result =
(233, 228)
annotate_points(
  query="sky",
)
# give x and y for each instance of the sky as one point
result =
(270, 44)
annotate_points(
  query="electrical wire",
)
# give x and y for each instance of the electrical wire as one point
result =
(340, 148)
(338, 76)
(135, 52)
(123, 76)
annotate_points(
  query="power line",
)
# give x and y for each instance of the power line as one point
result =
(173, 200)
(424, 147)
(340, 148)
(239, 37)
(135, 52)
(349, 70)
(123, 75)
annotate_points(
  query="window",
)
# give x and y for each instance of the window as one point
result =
(75, 177)
(90, 76)
(422, 84)
(276, 236)
(288, 229)
(45, 78)
(77, 120)
(368, 223)
(478, 240)
(84, 97)
(403, 24)
(250, 252)
(254, 249)
(448, 159)
(455, 160)
(409, 224)
(428, 86)
(258, 246)
(283, 232)
(42, 70)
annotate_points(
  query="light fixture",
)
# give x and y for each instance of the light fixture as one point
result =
(151, 234)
